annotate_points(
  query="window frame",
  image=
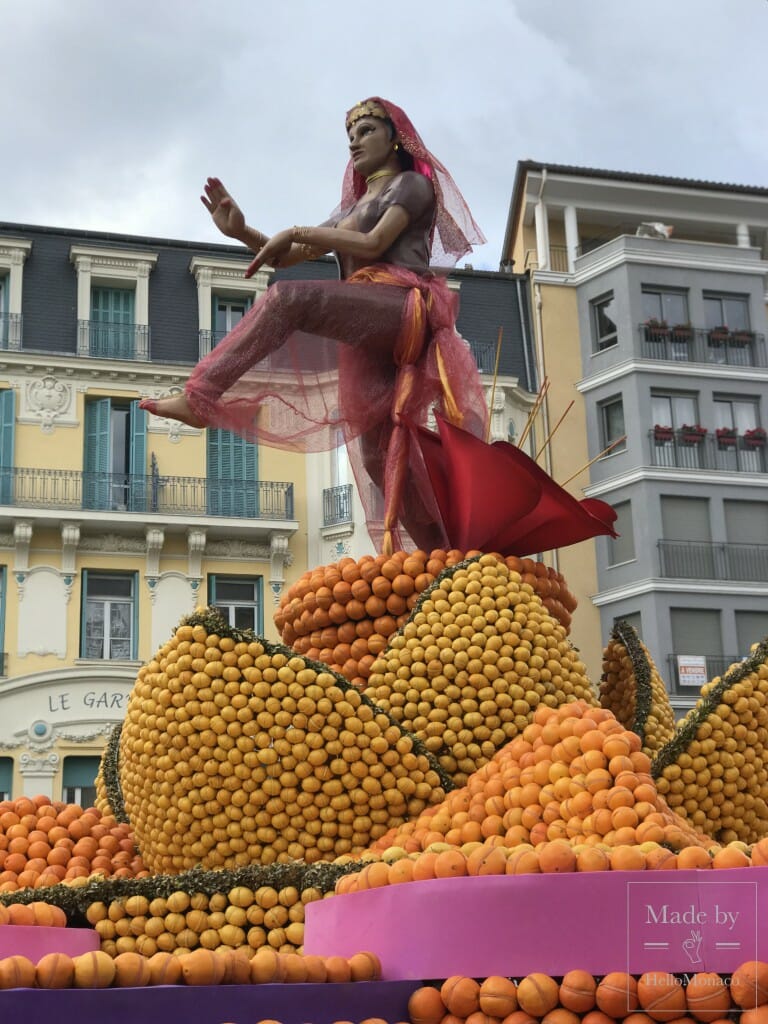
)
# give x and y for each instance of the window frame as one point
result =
(723, 297)
(602, 341)
(661, 291)
(215, 579)
(133, 638)
(605, 438)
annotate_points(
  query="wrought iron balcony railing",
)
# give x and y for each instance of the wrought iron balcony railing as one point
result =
(209, 340)
(716, 665)
(685, 344)
(337, 505)
(10, 331)
(71, 490)
(112, 341)
(683, 450)
(705, 560)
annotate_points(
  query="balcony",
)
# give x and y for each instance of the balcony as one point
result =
(112, 341)
(74, 491)
(10, 331)
(705, 560)
(685, 344)
(558, 260)
(716, 665)
(337, 505)
(209, 340)
(677, 449)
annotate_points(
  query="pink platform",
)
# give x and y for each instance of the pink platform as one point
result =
(34, 942)
(513, 925)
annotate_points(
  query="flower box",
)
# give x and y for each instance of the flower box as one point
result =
(692, 434)
(656, 330)
(726, 437)
(662, 435)
(741, 339)
(754, 438)
(719, 335)
(682, 333)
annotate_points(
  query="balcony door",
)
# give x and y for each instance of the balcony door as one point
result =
(233, 474)
(7, 440)
(115, 457)
(112, 323)
(227, 314)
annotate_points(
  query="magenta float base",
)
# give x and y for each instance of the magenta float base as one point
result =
(34, 942)
(513, 925)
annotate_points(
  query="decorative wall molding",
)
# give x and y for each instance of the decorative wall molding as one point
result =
(113, 542)
(239, 549)
(49, 402)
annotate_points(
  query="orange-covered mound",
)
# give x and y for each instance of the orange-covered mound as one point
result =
(343, 614)
(572, 793)
(44, 842)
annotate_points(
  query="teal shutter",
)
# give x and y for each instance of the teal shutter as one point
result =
(112, 323)
(137, 495)
(7, 427)
(233, 473)
(80, 771)
(96, 461)
(6, 777)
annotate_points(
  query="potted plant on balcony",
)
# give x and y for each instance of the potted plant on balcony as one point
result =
(726, 437)
(741, 338)
(692, 433)
(663, 435)
(656, 330)
(719, 335)
(682, 333)
(754, 438)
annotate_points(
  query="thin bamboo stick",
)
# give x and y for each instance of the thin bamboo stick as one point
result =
(552, 431)
(588, 464)
(534, 412)
(493, 386)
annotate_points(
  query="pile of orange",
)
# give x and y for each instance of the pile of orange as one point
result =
(45, 842)
(580, 998)
(343, 614)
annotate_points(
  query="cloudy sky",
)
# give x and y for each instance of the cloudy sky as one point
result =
(114, 112)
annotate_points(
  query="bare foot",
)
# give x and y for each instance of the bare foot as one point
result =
(174, 408)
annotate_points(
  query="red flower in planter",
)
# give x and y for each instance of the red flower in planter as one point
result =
(726, 437)
(754, 438)
(692, 433)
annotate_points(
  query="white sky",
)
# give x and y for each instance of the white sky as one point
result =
(112, 113)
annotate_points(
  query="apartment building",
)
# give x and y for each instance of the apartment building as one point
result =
(649, 309)
(113, 523)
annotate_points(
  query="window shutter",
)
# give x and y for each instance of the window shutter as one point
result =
(80, 771)
(112, 316)
(233, 469)
(7, 436)
(137, 495)
(96, 482)
(83, 612)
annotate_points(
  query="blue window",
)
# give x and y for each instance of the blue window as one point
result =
(79, 780)
(112, 333)
(109, 617)
(233, 473)
(6, 777)
(227, 313)
(239, 599)
(115, 457)
(7, 423)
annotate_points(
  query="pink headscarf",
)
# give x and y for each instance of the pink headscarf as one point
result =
(454, 230)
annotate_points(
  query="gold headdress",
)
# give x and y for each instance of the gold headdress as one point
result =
(366, 108)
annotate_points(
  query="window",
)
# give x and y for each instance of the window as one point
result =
(239, 599)
(696, 631)
(13, 253)
(112, 332)
(233, 473)
(604, 330)
(3, 310)
(736, 414)
(6, 777)
(622, 548)
(674, 409)
(112, 301)
(612, 424)
(79, 780)
(731, 311)
(686, 549)
(115, 456)
(665, 305)
(7, 440)
(751, 628)
(227, 313)
(109, 615)
(746, 532)
(634, 619)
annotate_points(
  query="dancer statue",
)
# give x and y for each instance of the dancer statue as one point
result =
(367, 356)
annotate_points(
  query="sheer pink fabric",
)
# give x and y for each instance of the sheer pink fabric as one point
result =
(317, 363)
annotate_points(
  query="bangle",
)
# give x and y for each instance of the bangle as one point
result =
(300, 234)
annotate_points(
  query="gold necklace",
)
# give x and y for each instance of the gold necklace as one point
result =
(383, 173)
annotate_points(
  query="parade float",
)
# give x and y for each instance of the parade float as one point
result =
(417, 807)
